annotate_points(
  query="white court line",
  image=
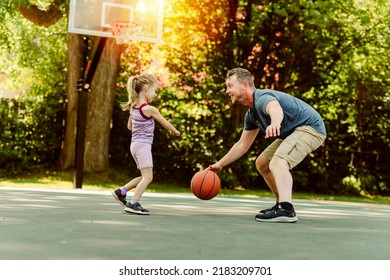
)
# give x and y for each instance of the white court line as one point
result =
(296, 202)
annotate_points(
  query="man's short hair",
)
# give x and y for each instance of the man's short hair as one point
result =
(242, 75)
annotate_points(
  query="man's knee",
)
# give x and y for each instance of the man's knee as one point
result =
(278, 163)
(262, 164)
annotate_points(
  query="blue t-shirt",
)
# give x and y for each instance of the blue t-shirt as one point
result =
(296, 113)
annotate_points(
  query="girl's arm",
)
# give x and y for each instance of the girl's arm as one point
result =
(129, 124)
(152, 111)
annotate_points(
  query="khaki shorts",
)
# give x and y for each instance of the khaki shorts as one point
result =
(296, 146)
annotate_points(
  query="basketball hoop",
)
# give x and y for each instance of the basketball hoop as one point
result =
(123, 30)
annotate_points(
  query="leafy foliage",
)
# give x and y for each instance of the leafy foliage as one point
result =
(332, 54)
(33, 61)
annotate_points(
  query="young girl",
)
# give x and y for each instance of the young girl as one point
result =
(141, 90)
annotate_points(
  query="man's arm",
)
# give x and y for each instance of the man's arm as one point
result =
(275, 111)
(237, 150)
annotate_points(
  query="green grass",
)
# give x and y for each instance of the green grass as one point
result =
(110, 180)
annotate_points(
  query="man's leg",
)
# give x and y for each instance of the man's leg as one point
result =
(290, 152)
(262, 165)
(283, 212)
(280, 170)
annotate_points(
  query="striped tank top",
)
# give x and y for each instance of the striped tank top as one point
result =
(142, 128)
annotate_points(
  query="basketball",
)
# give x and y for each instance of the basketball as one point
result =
(205, 184)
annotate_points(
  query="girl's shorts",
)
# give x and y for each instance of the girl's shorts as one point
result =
(142, 154)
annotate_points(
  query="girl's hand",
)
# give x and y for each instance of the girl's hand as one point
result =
(175, 133)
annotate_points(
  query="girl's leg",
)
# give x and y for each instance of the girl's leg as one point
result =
(146, 179)
(142, 154)
(133, 206)
(132, 184)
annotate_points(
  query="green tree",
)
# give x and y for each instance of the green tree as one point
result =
(356, 98)
(333, 55)
(32, 60)
(47, 13)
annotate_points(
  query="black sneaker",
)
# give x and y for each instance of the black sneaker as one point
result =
(270, 209)
(120, 197)
(277, 215)
(136, 208)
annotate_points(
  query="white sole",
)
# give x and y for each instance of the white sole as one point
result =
(132, 211)
(281, 219)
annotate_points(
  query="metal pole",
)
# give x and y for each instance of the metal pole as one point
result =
(83, 87)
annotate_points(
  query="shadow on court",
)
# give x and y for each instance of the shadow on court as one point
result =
(85, 225)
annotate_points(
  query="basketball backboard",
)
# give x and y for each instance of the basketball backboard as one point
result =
(95, 18)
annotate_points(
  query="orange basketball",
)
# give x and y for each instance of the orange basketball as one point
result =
(205, 184)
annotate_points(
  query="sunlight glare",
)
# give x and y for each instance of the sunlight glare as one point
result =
(141, 7)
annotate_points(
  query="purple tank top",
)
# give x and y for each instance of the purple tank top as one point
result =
(142, 129)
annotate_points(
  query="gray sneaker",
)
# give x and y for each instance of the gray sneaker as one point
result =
(119, 197)
(136, 208)
(277, 215)
(270, 209)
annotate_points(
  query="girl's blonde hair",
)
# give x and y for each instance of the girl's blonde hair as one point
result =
(135, 85)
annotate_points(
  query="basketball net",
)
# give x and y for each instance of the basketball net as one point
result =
(123, 30)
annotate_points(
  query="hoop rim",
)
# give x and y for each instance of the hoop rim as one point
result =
(122, 23)
(122, 30)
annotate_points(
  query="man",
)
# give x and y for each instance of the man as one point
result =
(298, 130)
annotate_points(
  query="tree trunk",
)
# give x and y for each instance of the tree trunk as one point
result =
(43, 17)
(75, 62)
(101, 101)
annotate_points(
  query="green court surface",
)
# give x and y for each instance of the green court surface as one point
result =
(40, 224)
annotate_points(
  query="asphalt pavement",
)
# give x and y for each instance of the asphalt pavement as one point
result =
(45, 224)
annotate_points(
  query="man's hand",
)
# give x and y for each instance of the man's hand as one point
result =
(216, 167)
(273, 130)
